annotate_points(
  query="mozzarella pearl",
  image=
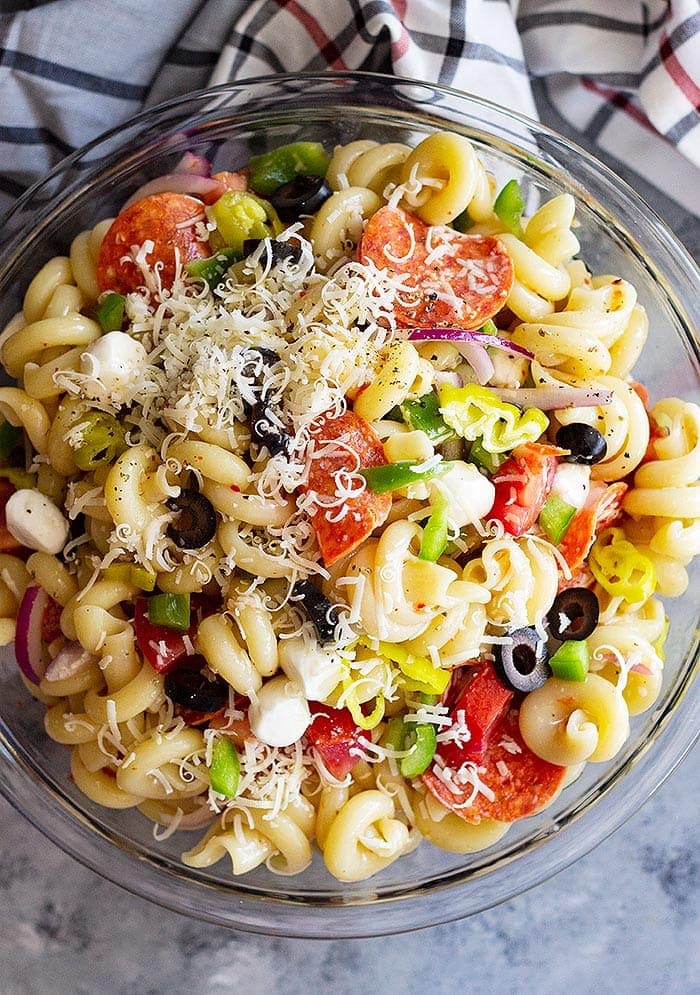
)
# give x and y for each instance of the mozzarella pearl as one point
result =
(315, 670)
(35, 521)
(571, 483)
(115, 362)
(279, 714)
(470, 494)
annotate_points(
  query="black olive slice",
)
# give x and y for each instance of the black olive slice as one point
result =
(191, 689)
(279, 251)
(522, 662)
(302, 195)
(268, 356)
(195, 524)
(584, 442)
(258, 355)
(265, 430)
(574, 614)
(321, 612)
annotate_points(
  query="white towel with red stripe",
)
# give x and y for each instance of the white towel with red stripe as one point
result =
(621, 77)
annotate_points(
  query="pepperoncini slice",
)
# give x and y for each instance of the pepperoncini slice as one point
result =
(421, 674)
(239, 215)
(620, 568)
(131, 573)
(97, 439)
(353, 706)
(476, 412)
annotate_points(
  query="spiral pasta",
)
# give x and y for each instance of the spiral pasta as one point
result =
(331, 576)
(663, 502)
(567, 723)
(521, 577)
(443, 177)
(368, 164)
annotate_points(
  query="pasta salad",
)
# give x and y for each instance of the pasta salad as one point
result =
(331, 511)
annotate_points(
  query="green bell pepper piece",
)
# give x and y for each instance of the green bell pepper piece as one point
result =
(435, 532)
(170, 610)
(109, 313)
(483, 458)
(393, 476)
(570, 662)
(463, 222)
(555, 518)
(421, 739)
(269, 171)
(212, 270)
(424, 415)
(392, 737)
(509, 205)
(225, 769)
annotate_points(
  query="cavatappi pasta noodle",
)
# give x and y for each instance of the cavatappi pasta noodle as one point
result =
(334, 515)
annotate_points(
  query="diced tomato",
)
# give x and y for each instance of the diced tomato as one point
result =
(603, 507)
(641, 392)
(8, 543)
(656, 432)
(335, 736)
(483, 699)
(164, 648)
(522, 484)
(168, 221)
(455, 279)
(521, 782)
(338, 535)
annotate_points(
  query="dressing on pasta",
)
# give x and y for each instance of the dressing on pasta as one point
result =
(335, 516)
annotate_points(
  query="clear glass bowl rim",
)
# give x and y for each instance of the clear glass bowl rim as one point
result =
(450, 897)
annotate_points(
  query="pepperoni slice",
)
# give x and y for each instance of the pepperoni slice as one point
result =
(166, 219)
(522, 783)
(232, 181)
(602, 508)
(341, 528)
(454, 279)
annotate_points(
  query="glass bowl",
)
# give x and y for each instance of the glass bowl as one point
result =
(619, 234)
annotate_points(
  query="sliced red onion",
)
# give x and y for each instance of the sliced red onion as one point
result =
(465, 335)
(29, 649)
(193, 163)
(479, 360)
(448, 377)
(553, 398)
(69, 662)
(204, 187)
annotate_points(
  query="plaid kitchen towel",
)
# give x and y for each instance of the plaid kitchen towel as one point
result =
(621, 76)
